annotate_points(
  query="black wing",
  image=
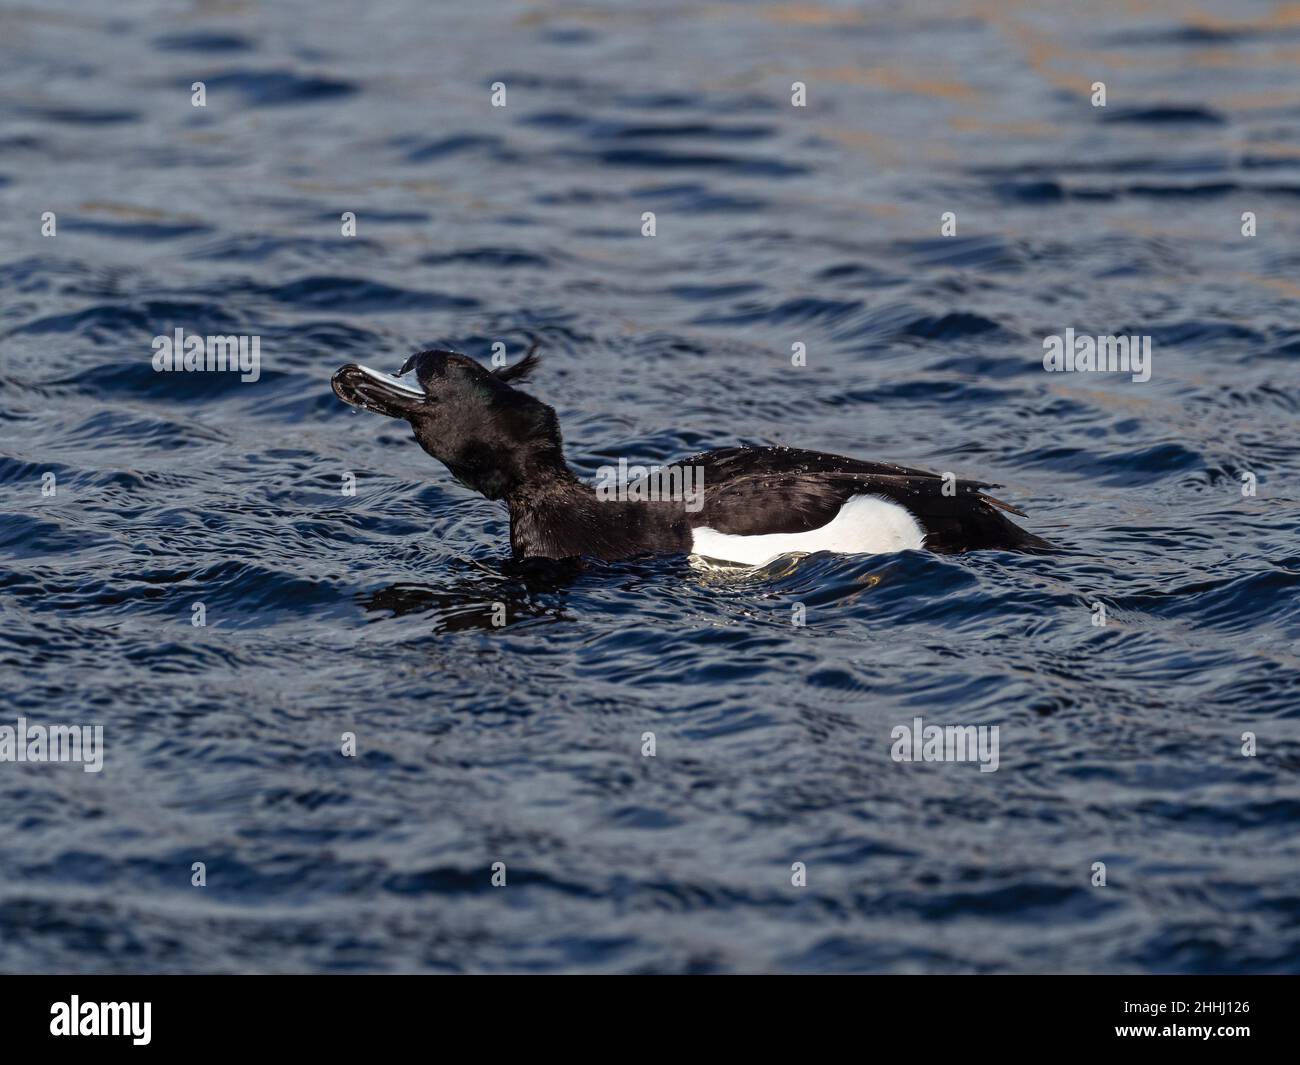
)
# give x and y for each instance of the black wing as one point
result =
(751, 491)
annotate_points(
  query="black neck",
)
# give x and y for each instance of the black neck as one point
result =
(561, 517)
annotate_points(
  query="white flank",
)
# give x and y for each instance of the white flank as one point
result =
(865, 525)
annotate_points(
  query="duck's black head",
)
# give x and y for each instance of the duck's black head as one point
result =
(492, 437)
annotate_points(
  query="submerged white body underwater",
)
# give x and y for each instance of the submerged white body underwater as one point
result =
(865, 525)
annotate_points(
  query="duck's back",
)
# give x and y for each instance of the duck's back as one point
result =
(778, 499)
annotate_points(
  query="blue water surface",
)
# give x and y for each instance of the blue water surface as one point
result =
(522, 743)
